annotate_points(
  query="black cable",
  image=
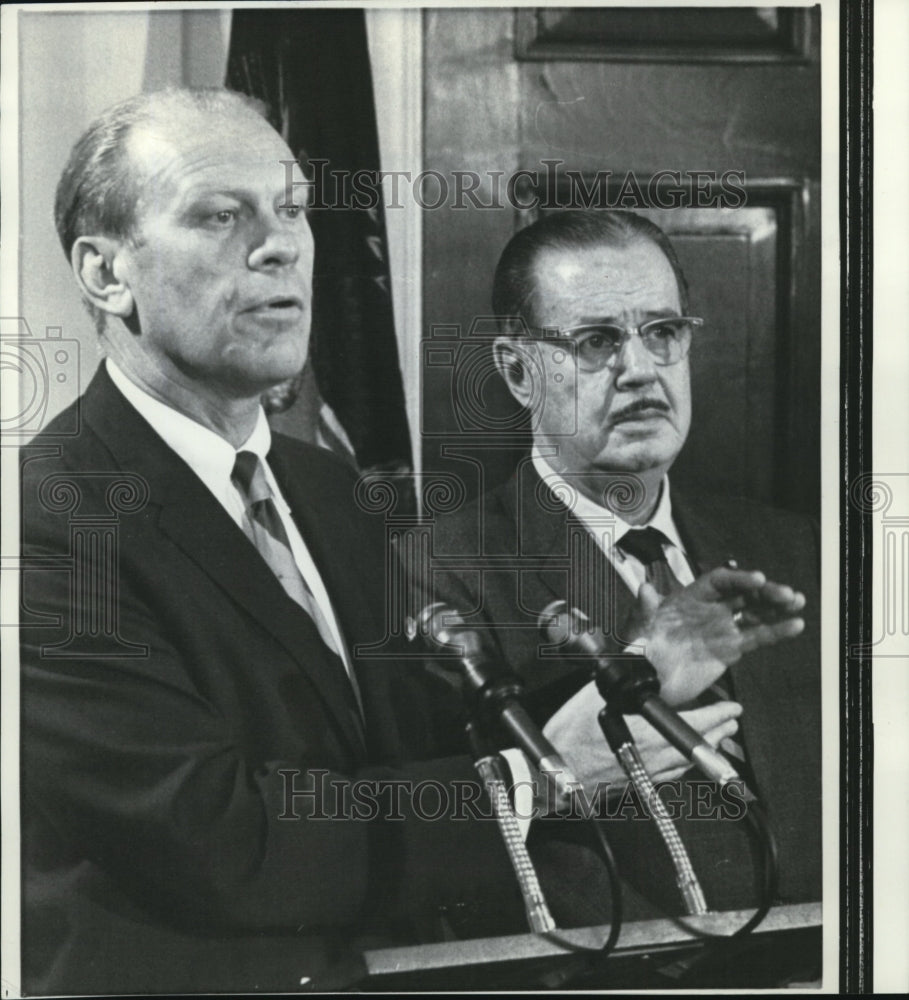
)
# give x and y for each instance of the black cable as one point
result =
(591, 959)
(728, 944)
(615, 887)
(757, 820)
(615, 893)
(716, 945)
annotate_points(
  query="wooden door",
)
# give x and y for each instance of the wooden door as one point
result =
(565, 105)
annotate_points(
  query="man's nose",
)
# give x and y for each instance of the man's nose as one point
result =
(276, 245)
(634, 363)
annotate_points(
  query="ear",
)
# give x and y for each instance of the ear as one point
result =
(516, 364)
(99, 268)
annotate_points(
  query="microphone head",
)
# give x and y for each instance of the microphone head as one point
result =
(442, 625)
(571, 629)
(554, 622)
(431, 620)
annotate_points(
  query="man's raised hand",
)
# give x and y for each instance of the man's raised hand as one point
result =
(693, 635)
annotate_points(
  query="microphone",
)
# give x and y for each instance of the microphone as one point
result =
(497, 690)
(630, 685)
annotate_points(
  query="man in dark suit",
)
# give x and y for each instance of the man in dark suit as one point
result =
(219, 792)
(594, 344)
(221, 789)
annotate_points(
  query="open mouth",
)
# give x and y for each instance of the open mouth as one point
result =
(282, 303)
(283, 306)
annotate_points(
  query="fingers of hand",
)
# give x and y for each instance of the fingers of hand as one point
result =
(715, 722)
(725, 582)
(660, 758)
(656, 752)
(719, 733)
(755, 636)
(778, 597)
(710, 716)
(649, 599)
(782, 595)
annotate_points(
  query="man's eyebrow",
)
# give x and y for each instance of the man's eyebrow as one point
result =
(200, 192)
(667, 313)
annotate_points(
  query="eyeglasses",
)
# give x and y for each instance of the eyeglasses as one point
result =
(598, 345)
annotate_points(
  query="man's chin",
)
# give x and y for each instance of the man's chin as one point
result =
(281, 397)
(265, 379)
(640, 452)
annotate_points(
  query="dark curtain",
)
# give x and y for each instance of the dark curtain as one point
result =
(312, 69)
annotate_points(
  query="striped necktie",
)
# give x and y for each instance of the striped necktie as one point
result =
(265, 529)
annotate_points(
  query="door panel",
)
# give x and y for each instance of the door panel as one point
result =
(497, 99)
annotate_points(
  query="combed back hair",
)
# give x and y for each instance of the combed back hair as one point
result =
(99, 188)
(514, 288)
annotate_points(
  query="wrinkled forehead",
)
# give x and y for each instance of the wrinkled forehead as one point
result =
(603, 281)
(196, 147)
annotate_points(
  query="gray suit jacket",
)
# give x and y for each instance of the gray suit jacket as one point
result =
(503, 558)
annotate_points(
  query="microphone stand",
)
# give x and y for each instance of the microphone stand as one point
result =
(618, 736)
(489, 765)
(632, 685)
(626, 686)
(494, 699)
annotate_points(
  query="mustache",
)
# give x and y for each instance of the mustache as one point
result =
(638, 406)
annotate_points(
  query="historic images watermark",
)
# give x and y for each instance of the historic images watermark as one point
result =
(884, 497)
(316, 795)
(32, 364)
(91, 506)
(552, 186)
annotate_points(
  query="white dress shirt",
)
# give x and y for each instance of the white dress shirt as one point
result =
(212, 459)
(608, 528)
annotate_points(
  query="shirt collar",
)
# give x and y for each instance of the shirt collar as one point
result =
(589, 511)
(205, 452)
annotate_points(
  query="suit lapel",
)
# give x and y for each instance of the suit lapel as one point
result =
(194, 520)
(569, 563)
(324, 525)
(357, 582)
(707, 545)
(757, 678)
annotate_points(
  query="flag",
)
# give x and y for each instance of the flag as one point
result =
(311, 67)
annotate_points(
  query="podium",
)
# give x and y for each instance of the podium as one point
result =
(675, 953)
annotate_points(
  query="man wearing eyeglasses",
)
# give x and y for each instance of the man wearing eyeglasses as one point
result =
(595, 344)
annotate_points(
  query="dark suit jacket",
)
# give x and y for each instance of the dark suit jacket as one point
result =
(172, 694)
(502, 559)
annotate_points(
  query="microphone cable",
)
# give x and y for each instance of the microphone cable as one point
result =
(560, 624)
(726, 946)
(493, 694)
(590, 960)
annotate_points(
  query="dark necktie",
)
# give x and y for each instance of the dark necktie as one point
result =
(646, 545)
(265, 529)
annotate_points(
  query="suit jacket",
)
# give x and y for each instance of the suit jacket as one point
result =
(188, 743)
(502, 559)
